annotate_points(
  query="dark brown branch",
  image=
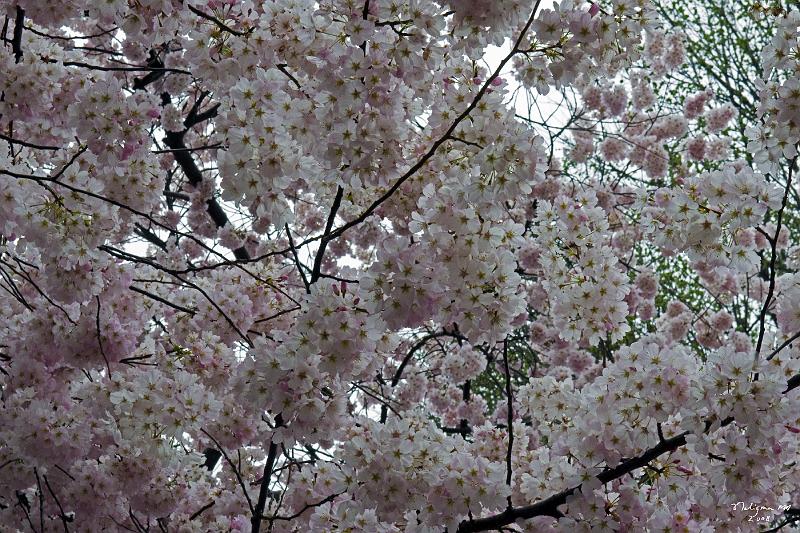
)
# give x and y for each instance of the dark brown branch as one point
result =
(65, 520)
(40, 492)
(305, 508)
(774, 254)
(324, 242)
(264, 489)
(466, 392)
(175, 140)
(96, 49)
(161, 70)
(153, 62)
(793, 383)
(510, 417)
(99, 340)
(276, 315)
(16, 40)
(25, 505)
(27, 144)
(207, 506)
(195, 118)
(393, 23)
(10, 462)
(190, 149)
(4, 30)
(10, 286)
(212, 458)
(77, 37)
(162, 300)
(138, 359)
(149, 236)
(789, 341)
(177, 196)
(283, 67)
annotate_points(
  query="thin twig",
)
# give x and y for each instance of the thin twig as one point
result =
(510, 416)
(221, 25)
(64, 518)
(234, 468)
(774, 249)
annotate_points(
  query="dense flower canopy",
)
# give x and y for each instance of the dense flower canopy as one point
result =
(399, 265)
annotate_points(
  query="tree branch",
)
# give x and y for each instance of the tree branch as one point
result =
(774, 254)
(16, 40)
(175, 140)
(315, 272)
(510, 409)
(234, 468)
(264, 490)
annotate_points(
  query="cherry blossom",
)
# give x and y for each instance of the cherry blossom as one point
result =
(395, 266)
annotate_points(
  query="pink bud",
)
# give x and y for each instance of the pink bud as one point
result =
(683, 469)
(793, 429)
(497, 81)
(594, 10)
(776, 448)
